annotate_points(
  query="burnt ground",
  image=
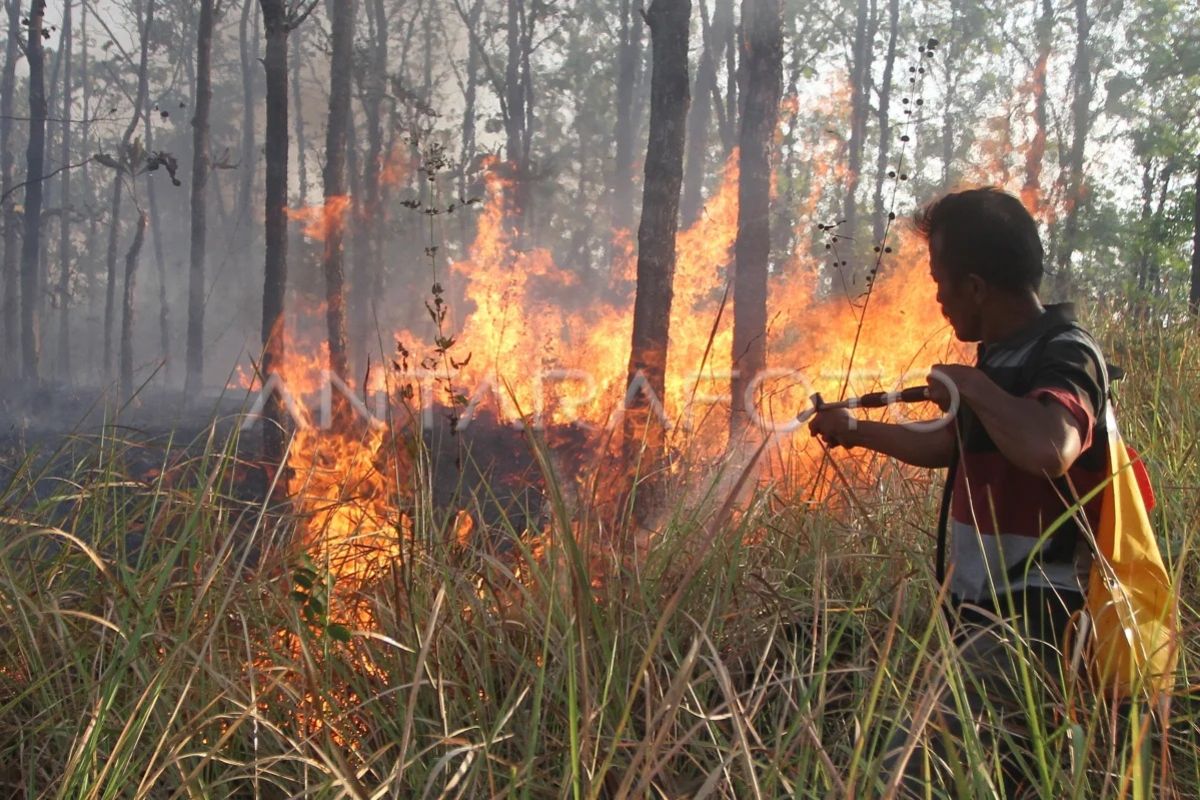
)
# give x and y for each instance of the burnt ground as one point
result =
(488, 468)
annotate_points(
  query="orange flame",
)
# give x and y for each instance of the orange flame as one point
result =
(528, 347)
(320, 221)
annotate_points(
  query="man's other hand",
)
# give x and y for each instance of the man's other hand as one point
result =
(836, 427)
(947, 381)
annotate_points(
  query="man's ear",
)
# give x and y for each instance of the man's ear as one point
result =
(977, 288)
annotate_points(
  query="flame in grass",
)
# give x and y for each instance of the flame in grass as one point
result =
(548, 342)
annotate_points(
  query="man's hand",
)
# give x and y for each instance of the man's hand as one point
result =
(836, 427)
(949, 382)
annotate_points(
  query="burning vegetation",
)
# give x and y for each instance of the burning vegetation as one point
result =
(528, 330)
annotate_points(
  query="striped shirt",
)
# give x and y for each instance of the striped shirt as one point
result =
(999, 513)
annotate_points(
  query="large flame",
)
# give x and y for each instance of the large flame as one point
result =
(535, 341)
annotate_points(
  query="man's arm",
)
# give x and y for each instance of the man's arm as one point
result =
(1037, 436)
(921, 448)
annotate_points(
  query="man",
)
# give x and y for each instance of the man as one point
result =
(1028, 437)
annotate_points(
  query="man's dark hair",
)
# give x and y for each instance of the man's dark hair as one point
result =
(986, 232)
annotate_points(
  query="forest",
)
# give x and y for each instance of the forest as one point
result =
(408, 398)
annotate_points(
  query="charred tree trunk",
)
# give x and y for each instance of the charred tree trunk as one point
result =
(64, 219)
(298, 115)
(248, 50)
(860, 73)
(629, 60)
(35, 164)
(885, 122)
(332, 262)
(762, 59)
(12, 291)
(201, 166)
(1081, 122)
(110, 264)
(160, 260)
(91, 261)
(131, 263)
(729, 130)
(277, 26)
(1031, 191)
(469, 101)
(126, 166)
(515, 115)
(367, 287)
(700, 114)
(669, 97)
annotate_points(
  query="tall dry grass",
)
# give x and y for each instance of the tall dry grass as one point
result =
(160, 637)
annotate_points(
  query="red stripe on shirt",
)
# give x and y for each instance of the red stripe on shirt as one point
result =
(993, 495)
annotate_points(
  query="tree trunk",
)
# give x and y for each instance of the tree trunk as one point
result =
(35, 158)
(88, 174)
(12, 291)
(1081, 125)
(64, 219)
(629, 60)
(469, 101)
(248, 49)
(1194, 294)
(340, 66)
(1031, 191)
(277, 27)
(298, 114)
(885, 122)
(762, 60)
(110, 269)
(515, 115)
(1157, 234)
(131, 262)
(729, 131)
(201, 165)
(951, 129)
(114, 227)
(1140, 271)
(700, 114)
(160, 261)
(669, 97)
(366, 288)
(860, 73)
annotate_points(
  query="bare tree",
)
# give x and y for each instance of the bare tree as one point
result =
(201, 166)
(64, 219)
(706, 95)
(35, 159)
(629, 61)
(366, 288)
(340, 85)
(12, 291)
(762, 53)
(884, 117)
(860, 77)
(669, 98)
(248, 30)
(1032, 188)
(1081, 123)
(517, 106)
(280, 17)
(130, 285)
(124, 163)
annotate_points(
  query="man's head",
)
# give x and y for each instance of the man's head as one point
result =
(984, 250)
